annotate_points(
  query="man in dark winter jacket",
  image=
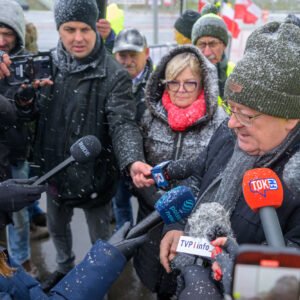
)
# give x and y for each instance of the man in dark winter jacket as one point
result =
(131, 51)
(263, 132)
(211, 36)
(15, 140)
(91, 94)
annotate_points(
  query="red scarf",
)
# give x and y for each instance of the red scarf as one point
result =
(179, 118)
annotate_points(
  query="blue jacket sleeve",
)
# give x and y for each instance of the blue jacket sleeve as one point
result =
(92, 278)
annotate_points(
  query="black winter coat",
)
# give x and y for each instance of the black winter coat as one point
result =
(15, 141)
(89, 97)
(8, 117)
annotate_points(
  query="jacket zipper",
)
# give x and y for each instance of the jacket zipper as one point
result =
(178, 144)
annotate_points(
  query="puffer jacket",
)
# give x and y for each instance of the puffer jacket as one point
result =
(90, 97)
(161, 143)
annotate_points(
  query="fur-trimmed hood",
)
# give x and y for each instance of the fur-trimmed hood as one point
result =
(155, 88)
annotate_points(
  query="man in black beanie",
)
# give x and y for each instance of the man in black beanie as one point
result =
(183, 26)
(91, 95)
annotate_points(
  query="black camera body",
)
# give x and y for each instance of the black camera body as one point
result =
(25, 69)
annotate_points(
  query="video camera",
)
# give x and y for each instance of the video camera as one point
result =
(25, 69)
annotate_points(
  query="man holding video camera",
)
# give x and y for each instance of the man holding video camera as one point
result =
(15, 139)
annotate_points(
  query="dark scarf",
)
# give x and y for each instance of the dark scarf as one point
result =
(66, 63)
(227, 188)
(179, 118)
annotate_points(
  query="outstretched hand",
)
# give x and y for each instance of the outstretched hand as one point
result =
(140, 173)
(18, 193)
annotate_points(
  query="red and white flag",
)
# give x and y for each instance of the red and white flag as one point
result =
(248, 11)
(201, 3)
(227, 14)
(253, 13)
(240, 8)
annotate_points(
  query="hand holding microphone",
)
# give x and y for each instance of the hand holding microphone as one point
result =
(172, 207)
(84, 150)
(263, 193)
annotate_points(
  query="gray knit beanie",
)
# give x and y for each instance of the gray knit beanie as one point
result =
(11, 14)
(210, 25)
(85, 11)
(267, 79)
(185, 22)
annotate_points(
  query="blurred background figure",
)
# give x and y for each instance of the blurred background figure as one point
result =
(183, 26)
(109, 27)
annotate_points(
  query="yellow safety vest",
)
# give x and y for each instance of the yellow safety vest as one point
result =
(115, 16)
(230, 67)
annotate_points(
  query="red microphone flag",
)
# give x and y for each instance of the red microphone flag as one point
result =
(262, 188)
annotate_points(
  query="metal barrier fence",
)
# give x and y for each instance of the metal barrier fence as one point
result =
(157, 51)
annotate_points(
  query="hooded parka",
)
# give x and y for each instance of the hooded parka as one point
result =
(161, 143)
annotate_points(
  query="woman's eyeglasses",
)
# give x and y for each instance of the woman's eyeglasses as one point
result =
(174, 85)
(244, 119)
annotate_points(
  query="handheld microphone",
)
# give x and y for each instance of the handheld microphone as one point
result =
(84, 150)
(172, 207)
(159, 175)
(263, 192)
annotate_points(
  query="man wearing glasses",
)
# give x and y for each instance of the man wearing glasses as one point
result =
(210, 35)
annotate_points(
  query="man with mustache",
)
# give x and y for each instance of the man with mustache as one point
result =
(211, 36)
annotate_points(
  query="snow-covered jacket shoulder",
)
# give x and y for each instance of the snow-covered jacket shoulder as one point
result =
(160, 141)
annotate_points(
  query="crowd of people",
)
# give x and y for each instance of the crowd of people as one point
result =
(210, 120)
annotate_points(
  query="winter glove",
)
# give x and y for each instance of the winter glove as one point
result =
(198, 284)
(126, 246)
(18, 193)
(194, 281)
(225, 256)
(25, 94)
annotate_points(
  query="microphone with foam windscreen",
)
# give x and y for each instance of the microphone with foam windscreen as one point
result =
(263, 193)
(84, 150)
(174, 206)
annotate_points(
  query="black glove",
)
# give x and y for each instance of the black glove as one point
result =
(126, 247)
(226, 260)
(198, 284)
(25, 93)
(18, 193)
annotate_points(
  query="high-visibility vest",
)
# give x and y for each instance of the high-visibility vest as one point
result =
(230, 67)
(115, 16)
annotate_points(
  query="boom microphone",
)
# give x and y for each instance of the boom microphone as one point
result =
(172, 207)
(82, 151)
(263, 192)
